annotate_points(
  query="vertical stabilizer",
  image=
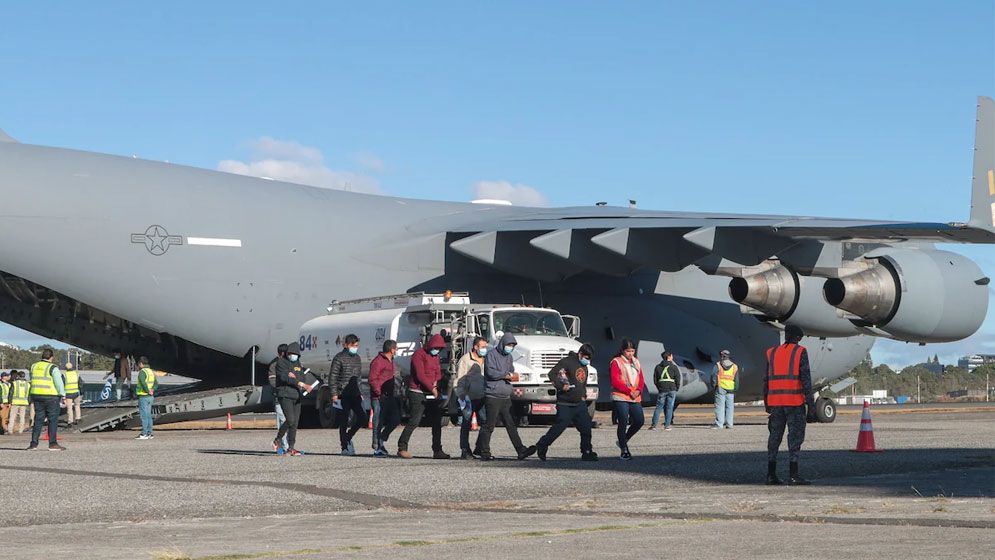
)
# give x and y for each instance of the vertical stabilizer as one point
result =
(983, 183)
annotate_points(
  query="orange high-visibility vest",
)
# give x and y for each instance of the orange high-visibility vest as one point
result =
(784, 384)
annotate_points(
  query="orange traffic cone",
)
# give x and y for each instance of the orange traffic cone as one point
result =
(473, 422)
(865, 438)
(369, 425)
(44, 434)
(228, 423)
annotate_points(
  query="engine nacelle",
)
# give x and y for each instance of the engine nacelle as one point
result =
(914, 295)
(783, 295)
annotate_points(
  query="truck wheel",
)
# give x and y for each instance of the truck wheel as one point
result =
(825, 410)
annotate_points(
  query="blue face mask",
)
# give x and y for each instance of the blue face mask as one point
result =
(585, 362)
(434, 351)
(293, 357)
(509, 349)
(353, 350)
(482, 352)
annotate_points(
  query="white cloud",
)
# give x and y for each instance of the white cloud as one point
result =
(295, 163)
(518, 194)
(369, 161)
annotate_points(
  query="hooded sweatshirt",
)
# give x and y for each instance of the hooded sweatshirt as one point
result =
(425, 369)
(497, 366)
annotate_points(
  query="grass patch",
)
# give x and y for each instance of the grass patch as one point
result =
(414, 543)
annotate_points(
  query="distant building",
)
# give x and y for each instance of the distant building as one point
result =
(970, 363)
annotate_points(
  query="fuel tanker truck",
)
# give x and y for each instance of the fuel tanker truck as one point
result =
(411, 319)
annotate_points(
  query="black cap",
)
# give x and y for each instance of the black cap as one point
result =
(793, 332)
(294, 348)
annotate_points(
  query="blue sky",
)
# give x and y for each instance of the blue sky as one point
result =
(861, 109)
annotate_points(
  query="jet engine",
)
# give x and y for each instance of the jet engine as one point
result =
(914, 295)
(781, 294)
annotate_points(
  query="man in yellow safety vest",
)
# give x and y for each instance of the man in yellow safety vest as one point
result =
(725, 379)
(147, 385)
(48, 394)
(5, 391)
(73, 396)
(19, 389)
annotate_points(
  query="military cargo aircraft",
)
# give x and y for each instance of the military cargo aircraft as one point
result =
(196, 268)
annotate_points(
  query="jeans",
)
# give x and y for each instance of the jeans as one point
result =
(375, 416)
(389, 417)
(355, 406)
(498, 409)
(630, 419)
(46, 407)
(567, 414)
(420, 406)
(723, 407)
(476, 405)
(119, 382)
(145, 410)
(292, 413)
(665, 402)
(280, 419)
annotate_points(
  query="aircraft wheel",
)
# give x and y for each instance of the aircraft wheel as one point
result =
(825, 410)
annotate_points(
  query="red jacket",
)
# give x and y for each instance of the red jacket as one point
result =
(425, 368)
(619, 386)
(381, 371)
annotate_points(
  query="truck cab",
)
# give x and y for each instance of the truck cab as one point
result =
(543, 340)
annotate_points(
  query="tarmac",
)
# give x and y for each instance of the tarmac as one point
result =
(691, 492)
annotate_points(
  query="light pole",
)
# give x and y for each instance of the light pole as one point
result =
(918, 391)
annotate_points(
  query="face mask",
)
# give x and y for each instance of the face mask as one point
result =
(482, 352)
(434, 351)
(727, 363)
(353, 350)
(508, 349)
(585, 362)
(293, 357)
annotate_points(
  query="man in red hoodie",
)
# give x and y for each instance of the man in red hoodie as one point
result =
(386, 409)
(423, 397)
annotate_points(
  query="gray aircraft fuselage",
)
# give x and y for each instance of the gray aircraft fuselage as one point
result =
(97, 251)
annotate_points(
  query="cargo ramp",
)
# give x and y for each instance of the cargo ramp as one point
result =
(177, 407)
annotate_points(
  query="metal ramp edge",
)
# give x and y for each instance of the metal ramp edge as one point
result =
(177, 407)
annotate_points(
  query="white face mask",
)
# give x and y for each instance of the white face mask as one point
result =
(293, 357)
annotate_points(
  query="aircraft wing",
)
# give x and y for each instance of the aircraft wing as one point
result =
(620, 240)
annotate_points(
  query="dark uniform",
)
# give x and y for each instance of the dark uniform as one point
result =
(288, 395)
(787, 390)
(570, 379)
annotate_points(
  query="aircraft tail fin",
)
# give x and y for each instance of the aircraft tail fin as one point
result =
(4, 137)
(983, 183)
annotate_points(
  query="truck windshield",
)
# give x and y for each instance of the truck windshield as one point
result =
(530, 322)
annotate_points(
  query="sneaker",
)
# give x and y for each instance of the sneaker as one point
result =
(526, 452)
(714, 427)
(798, 481)
(728, 427)
(541, 452)
(280, 451)
(589, 456)
(380, 453)
(486, 457)
(351, 448)
(668, 428)
(278, 446)
(32, 447)
(772, 480)
(294, 453)
(651, 428)
(626, 456)
(440, 454)
(151, 436)
(57, 447)
(466, 455)
(404, 454)
(346, 451)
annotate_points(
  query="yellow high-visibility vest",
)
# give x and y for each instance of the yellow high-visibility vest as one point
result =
(20, 395)
(147, 375)
(4, 392)
(727, 377)
(42, 382)
(72, 382)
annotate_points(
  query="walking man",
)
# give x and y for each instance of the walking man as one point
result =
(73, 397)
(470, 390)
(145, 391)
(667, 377)
(121, 372)
(499, 371)
(787, 398)
(725, 379)
(386, 411)
(289, 388)
(281, 352)
(423, 397)
(343, 379)
(569, 377)
(48, 394)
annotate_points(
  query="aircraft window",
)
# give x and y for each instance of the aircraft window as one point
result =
(529, 322)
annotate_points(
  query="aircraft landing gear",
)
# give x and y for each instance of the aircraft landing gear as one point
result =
(825, 410)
